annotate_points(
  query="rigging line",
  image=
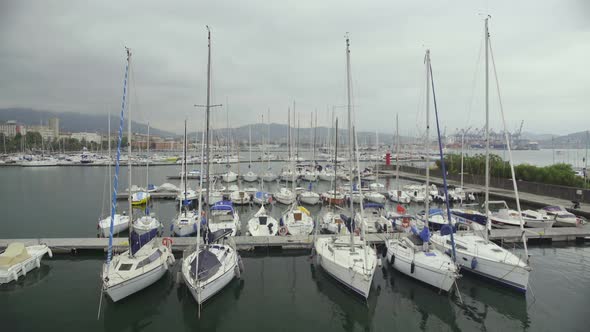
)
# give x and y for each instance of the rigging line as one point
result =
(474, 84)
(509, 153)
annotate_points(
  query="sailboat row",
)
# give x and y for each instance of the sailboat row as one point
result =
(208, 266)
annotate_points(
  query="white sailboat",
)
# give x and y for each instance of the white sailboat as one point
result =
(186, 221)
(477, 254)
(398, 195)
(268, 175)
(147, 259)
(120, 221)
(413, 255)
(207, 269)
(250, 176)
(348, 258)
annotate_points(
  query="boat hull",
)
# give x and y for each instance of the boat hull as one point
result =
(131, 286)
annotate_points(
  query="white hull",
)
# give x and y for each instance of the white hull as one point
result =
(437, 271)
(269, 177)
(213, 285)
(336, 264)
(250, 177)
(121, 291)
(309, 198)
(120, 224)
(12, 273)
(504, 268)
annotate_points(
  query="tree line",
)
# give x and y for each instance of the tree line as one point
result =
(558, 174)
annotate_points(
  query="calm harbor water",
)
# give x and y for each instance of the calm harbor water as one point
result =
(280, 291)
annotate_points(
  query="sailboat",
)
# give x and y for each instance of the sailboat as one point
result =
(413, 255)
(333, 196)
(186, 221)
(348, 258)
(120, 221)
(229, 175)
(268, 175)
(478, 254)
(146, 259)
(398, 195)
(250, 176)
(208, 268)
(376, 186)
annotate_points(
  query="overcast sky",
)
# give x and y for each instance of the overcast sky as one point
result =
(69, 56)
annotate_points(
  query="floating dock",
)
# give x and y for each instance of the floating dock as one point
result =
(75, 245)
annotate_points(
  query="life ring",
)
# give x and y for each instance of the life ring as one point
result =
(406, 222)
(283, 230)
(167, 242)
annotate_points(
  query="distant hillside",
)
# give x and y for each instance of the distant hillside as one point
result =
(576, 140)
(279, 135)
(74, 122)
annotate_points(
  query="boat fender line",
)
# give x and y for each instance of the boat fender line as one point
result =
(392, 261)
(38, 262)
(171, 227)
(384, 252)
(237, 272)
(14, 276)
(165, 264)
(49, 253)
(473, 263)
(412, 267)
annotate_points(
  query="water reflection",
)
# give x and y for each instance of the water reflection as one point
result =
(425, 300)
(349, 308)
(482, 299)
(32, 279)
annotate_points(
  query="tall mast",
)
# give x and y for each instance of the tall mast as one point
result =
(397, 156)
(184, 161)
(268, 139)
(487, 133)
(426, 142)
(315, 127)
(130, 206)
(147, 164)
(208, 116)
(378, 155)
(349, 108)
(335, 163)
(250, 146)
(289, 129)
(109, 144)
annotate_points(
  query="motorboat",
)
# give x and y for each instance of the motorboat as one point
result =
(563, 218)
(436, 218)
(537, 219)
(17, 260)
(140, 198)
(375, 197)
(240, 197)
(399, 196)
(335, 223)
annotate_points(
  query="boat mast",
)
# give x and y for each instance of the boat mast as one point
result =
(184, 163)
(349, 109)
(250, 148)
(378, 155)
(397, 156)
(487, 133)
(289, 133)
(426, 143)
(109, 144)
(208, 116)
(268, 139)
(129, 162)
(147, 163)
(335, 163)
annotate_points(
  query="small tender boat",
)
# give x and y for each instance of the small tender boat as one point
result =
(17, 260)
(399, 196)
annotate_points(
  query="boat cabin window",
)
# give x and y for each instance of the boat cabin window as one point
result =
(153, 257)
(262, 220)
(125, 267)
(297, 216)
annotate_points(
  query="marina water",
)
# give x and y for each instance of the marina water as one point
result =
(279, 290)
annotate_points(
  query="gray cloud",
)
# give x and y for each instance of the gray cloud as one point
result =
(68, 55)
